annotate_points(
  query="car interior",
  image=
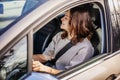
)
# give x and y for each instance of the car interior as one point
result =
(44, 36)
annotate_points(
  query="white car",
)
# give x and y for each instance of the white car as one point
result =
(33, 30)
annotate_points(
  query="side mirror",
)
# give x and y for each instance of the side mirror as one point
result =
(1, 9)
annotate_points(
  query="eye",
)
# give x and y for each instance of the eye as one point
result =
(66, 17)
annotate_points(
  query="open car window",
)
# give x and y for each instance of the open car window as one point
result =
(44, 35)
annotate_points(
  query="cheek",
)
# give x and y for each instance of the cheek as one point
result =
(65, 24)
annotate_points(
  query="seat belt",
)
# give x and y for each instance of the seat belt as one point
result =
(61, 52)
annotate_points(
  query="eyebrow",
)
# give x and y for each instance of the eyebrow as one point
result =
(66, 15)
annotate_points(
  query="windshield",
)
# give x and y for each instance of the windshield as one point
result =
(10, 10)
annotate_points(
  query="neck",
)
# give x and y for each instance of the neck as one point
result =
(70, 36)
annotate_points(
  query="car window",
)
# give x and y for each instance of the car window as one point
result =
(115, 16)
(13, 64)
(44, 35)
(30, 4)
(117, 26)
(10, 11)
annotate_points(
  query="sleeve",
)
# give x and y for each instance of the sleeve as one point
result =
(83, 55)
(49, 51)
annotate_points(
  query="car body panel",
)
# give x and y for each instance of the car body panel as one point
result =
(99, 70)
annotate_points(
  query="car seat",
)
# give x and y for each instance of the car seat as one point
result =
(96, 41)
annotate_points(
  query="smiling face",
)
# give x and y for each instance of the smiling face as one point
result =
(65, 21)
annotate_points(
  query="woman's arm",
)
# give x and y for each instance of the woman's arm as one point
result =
(37, 66)
(39, 57)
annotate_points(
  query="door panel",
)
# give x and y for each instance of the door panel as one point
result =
(102, 70)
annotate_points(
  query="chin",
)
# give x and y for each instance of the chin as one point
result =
(62, 27)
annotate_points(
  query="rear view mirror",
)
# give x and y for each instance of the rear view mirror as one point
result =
(1, 9)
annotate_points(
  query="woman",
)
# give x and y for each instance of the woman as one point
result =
(77, 26)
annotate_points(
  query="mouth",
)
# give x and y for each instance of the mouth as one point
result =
(62, 24)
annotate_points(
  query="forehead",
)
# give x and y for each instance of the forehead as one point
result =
(67, 13)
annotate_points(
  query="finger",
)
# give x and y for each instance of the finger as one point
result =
(35, 62)
(36, 69)
(33, 66)
(32, 60)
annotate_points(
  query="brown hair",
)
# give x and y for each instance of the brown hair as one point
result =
(80, 24)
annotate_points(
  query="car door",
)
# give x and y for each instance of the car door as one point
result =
(106, 67)
(104, 46)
